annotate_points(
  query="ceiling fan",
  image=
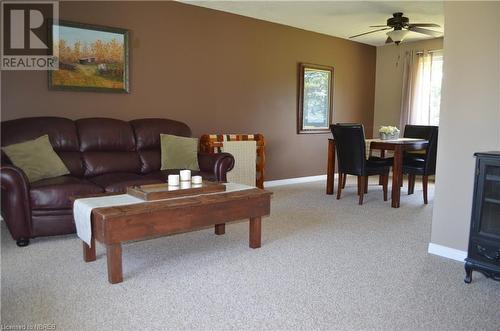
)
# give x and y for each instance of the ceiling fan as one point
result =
(400, 26)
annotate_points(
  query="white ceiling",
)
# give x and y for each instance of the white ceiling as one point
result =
(336, 18)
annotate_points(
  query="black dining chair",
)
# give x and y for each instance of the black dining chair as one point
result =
(421, 163)
(351, 154)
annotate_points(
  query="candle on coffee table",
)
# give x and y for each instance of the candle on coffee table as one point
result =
(173, 180)
(196, 179)
(185, 175)
(185, 185)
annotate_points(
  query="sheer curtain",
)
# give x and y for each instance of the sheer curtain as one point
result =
(422, 74)
(410, 70)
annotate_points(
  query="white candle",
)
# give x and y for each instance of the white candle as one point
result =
(197, 179)
(173, 180)
(185, 185)
(185, 175)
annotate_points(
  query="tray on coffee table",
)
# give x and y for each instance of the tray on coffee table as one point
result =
(151, 192)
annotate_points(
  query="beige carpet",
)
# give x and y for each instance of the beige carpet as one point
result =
(324, 264)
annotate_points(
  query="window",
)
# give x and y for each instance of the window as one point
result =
(315, 98)
(427, 99)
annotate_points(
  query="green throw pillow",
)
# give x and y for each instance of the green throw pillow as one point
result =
(36, 158)
(179, 152)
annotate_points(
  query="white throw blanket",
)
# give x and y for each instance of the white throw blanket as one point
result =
(82, 208)
(245, 155)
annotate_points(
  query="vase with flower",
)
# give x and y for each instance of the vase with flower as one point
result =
(388, 133)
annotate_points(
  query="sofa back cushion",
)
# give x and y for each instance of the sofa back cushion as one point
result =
(147, 135)
(107, 145)
(62, 135)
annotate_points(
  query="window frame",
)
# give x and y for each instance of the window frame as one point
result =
(300, 103)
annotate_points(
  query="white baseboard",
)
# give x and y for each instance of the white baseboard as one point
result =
(447, 252)
(297, 180)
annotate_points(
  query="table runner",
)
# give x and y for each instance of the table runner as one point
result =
(82, 208)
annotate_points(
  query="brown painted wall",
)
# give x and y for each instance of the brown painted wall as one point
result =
(216, 71)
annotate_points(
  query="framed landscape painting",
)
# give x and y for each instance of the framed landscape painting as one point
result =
(315, 102)
(91, 58)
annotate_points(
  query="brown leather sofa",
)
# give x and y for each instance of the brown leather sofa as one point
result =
(102, 155)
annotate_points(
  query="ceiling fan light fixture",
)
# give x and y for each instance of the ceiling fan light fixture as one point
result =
(397, 35)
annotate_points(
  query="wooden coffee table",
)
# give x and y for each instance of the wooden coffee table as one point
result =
(112, 226)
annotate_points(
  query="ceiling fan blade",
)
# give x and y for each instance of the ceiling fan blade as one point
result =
(429, 25)
(362, 34)
(378, 26)
(426, 31)
(388, 40)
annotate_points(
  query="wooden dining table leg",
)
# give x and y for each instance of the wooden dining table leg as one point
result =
(397, 169)
(114, 258)
(89, 251)
(381, 179)
(385, 180)
(330, 172)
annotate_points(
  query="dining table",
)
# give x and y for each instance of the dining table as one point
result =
(397, 146)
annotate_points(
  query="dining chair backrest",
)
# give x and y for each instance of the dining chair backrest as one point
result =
(429, 133)
(351, 148)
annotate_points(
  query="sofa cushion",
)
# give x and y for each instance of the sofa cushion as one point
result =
(105, 134)
(36, 158)
(107, 145)
(118, 182)
(179, 152)
(61, 131)
(99, 163)
(55, 193)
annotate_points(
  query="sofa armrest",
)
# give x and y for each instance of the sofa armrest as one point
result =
(16, 206)
(219, 164)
